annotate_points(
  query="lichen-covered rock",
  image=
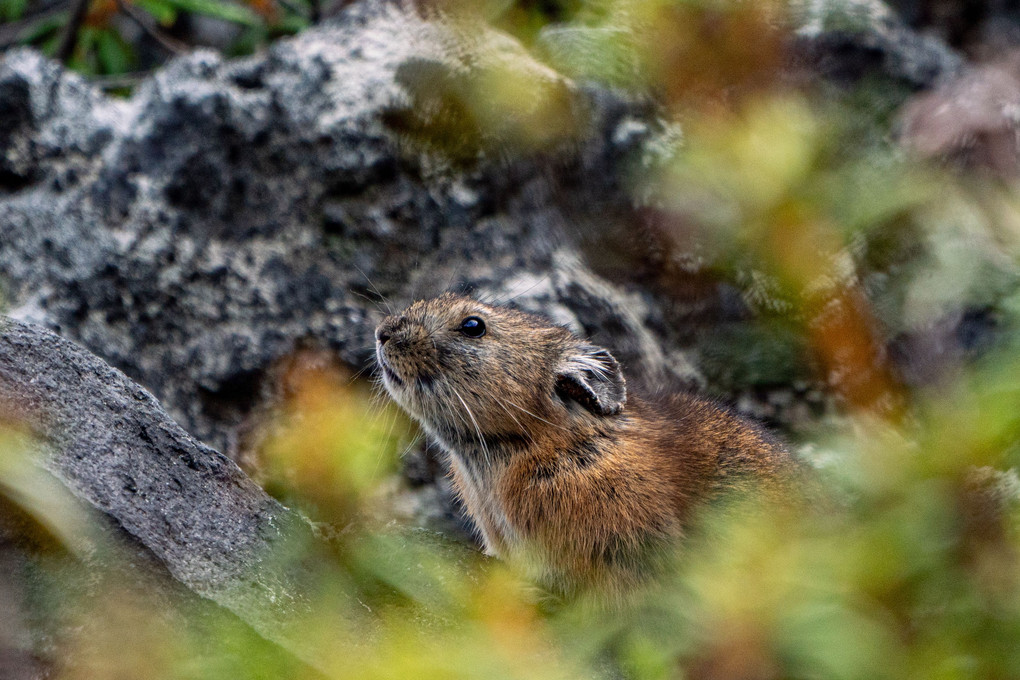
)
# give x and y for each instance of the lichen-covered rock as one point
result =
(846, 40)
(113, 447)
(193, 234)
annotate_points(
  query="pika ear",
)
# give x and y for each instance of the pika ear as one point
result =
(591, 376)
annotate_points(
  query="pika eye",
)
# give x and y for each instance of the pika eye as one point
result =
(473, 327)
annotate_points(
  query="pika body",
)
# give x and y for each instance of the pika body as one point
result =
(558, 463)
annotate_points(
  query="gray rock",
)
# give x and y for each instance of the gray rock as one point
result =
(196, 233)
(109, 442)
(846, 40)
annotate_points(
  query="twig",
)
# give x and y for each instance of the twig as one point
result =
(168, 43)
(69, 37)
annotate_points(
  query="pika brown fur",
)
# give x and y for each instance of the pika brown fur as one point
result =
(557, 464)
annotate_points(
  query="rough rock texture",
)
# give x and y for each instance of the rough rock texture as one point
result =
(228, 211)
(983, 28)
(846, 40)
(114, 447)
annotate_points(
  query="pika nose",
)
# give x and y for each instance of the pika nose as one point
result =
(387, 328)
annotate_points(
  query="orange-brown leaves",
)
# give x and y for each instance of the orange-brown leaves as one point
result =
(326, 440)
(703, 53)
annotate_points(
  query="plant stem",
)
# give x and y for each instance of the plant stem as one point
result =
(70, 35)
(168, 43)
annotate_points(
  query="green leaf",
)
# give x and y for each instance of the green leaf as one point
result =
(83, 58)
(115, 55)
(163, 11)
(290, 23)
(12, 10)
(44, 30)
(49, 45)
(219, 10)
(248, 41)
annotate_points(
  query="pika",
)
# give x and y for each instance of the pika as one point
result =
(557, 464)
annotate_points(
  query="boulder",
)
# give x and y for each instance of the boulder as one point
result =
(229, 211)
(129, 465)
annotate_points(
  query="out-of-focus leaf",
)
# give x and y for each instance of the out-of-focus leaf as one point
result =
(12, 10)
(227, 11)
(115, 55)
(163, 10)
(25, 482)
(604, 54)
(83, 58)
(249, 39)
(44, 29)
(290, 23)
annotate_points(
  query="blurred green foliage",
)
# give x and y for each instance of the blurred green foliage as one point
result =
(895, 581)
(839, 243)
(12, 10)
(118, 37)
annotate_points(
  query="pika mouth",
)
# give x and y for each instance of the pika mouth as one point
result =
(392, 376)
(389, 373)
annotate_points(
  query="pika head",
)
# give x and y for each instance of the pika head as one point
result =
(472, 371)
